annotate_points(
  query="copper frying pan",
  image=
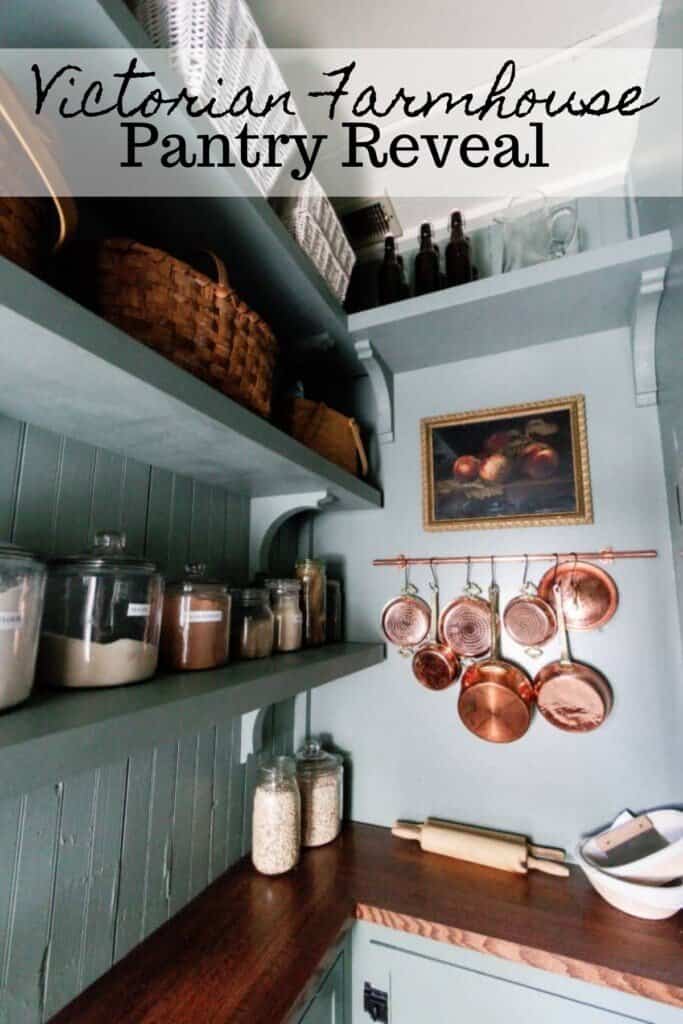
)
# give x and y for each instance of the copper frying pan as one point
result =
(465, 623)
(496, 696)
(589, 594)
(406, 619)
(570, 695)
(528, 618)
(435, 665)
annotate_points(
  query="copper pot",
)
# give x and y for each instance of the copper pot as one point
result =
(528, 618)
(406, 619)
(571, 696)
(589, 594)
(496, 696)
(435, 665)
(465, 623)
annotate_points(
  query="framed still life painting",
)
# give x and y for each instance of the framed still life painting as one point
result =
(521, 465)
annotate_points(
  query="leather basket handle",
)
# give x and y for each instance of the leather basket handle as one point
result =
(221, 269)
(18, 120)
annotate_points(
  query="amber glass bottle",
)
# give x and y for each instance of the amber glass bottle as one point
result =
(427, 277)
(391, 286)
(458, 261)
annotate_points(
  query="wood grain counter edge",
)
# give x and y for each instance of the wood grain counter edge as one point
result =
(543, 959)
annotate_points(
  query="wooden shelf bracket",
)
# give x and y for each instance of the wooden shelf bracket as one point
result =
(382, 389)
(269, 513)
(644, 333)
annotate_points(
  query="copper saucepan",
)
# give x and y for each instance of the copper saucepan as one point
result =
(570, 695)
(406, 619)
(528, 618)
(465, 623)
(496, 696)
(435, 665)
(589, 594)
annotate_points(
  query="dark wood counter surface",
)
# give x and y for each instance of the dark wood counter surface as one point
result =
(248, 949)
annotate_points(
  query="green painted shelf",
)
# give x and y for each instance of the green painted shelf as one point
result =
(66, 369)
(61, 733)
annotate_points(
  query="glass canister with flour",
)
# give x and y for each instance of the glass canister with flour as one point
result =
(102, 617)
(22, 590)
(195, 629)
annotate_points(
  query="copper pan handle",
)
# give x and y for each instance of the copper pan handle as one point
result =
(565, 656)
(494, 602)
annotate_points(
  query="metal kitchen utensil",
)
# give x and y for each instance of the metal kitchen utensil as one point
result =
(571, 696)
(435, 665)
(406, 619)
(528, 618)
(496, 696)
(589, 594)
(465, 623)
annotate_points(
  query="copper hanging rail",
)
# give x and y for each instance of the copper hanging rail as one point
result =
(606, 555)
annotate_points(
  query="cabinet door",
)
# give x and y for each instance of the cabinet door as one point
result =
(433, 992)
(328, 1004)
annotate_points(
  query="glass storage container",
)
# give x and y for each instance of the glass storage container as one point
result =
(334, 630)
(285, 600)
(312, 574)
(321, 784)
(276, 819)
(22, 590)
(254, 627)
(195, 628)
(102, 617)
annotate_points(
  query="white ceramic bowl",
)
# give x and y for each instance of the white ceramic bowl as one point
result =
(653, 902)
(655, 869)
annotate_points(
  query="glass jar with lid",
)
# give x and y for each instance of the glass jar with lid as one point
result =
(321, 783)
(285, 600)
(311, 572)
(276, 818)
(22, 591)
(102, 617)
(195, 628)
(254, 628)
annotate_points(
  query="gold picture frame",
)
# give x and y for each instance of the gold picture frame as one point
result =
(517, 465)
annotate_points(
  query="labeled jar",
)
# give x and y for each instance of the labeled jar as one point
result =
(288, 619)
(321, 784)
(334, 629)
(195, 628)
(276, 819)
(255, 624)
(311, 573)
(102, 617)
(22, 592)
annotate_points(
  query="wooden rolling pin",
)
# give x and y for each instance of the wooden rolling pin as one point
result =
(477, 848)
(544, 852)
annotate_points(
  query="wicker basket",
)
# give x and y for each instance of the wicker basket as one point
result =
(334, 436)
(21, 231)
(199, 324)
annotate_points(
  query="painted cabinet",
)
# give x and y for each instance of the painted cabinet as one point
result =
(328, 1006)
(430, 981)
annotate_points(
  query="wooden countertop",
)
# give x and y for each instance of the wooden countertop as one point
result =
(249, 947)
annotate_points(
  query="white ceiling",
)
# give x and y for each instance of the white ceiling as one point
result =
(548, 24)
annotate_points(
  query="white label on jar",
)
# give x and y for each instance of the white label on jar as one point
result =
(207, 616)
(138, 611)
(10, 620)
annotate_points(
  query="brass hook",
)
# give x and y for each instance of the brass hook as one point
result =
(434, 583)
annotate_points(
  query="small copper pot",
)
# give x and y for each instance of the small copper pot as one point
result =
(571, 696)
(406, 619)
(496, 696)
(435, 665)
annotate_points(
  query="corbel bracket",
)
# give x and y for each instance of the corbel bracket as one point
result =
(268, 515)
(644, 334)
(382, 389)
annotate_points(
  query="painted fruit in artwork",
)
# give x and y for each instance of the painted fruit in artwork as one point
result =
(496, 468)
(539, 461)
(498, 441)
(466, 468)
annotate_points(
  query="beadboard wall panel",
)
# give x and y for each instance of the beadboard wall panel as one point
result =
(92, 864)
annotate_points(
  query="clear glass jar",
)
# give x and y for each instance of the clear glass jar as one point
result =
(334, 630)
(285, 600)
(255, 626)
(22, 592)
(276, 819)
(195, 628)
(312, 574)
(321, 784)
(102, 617)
